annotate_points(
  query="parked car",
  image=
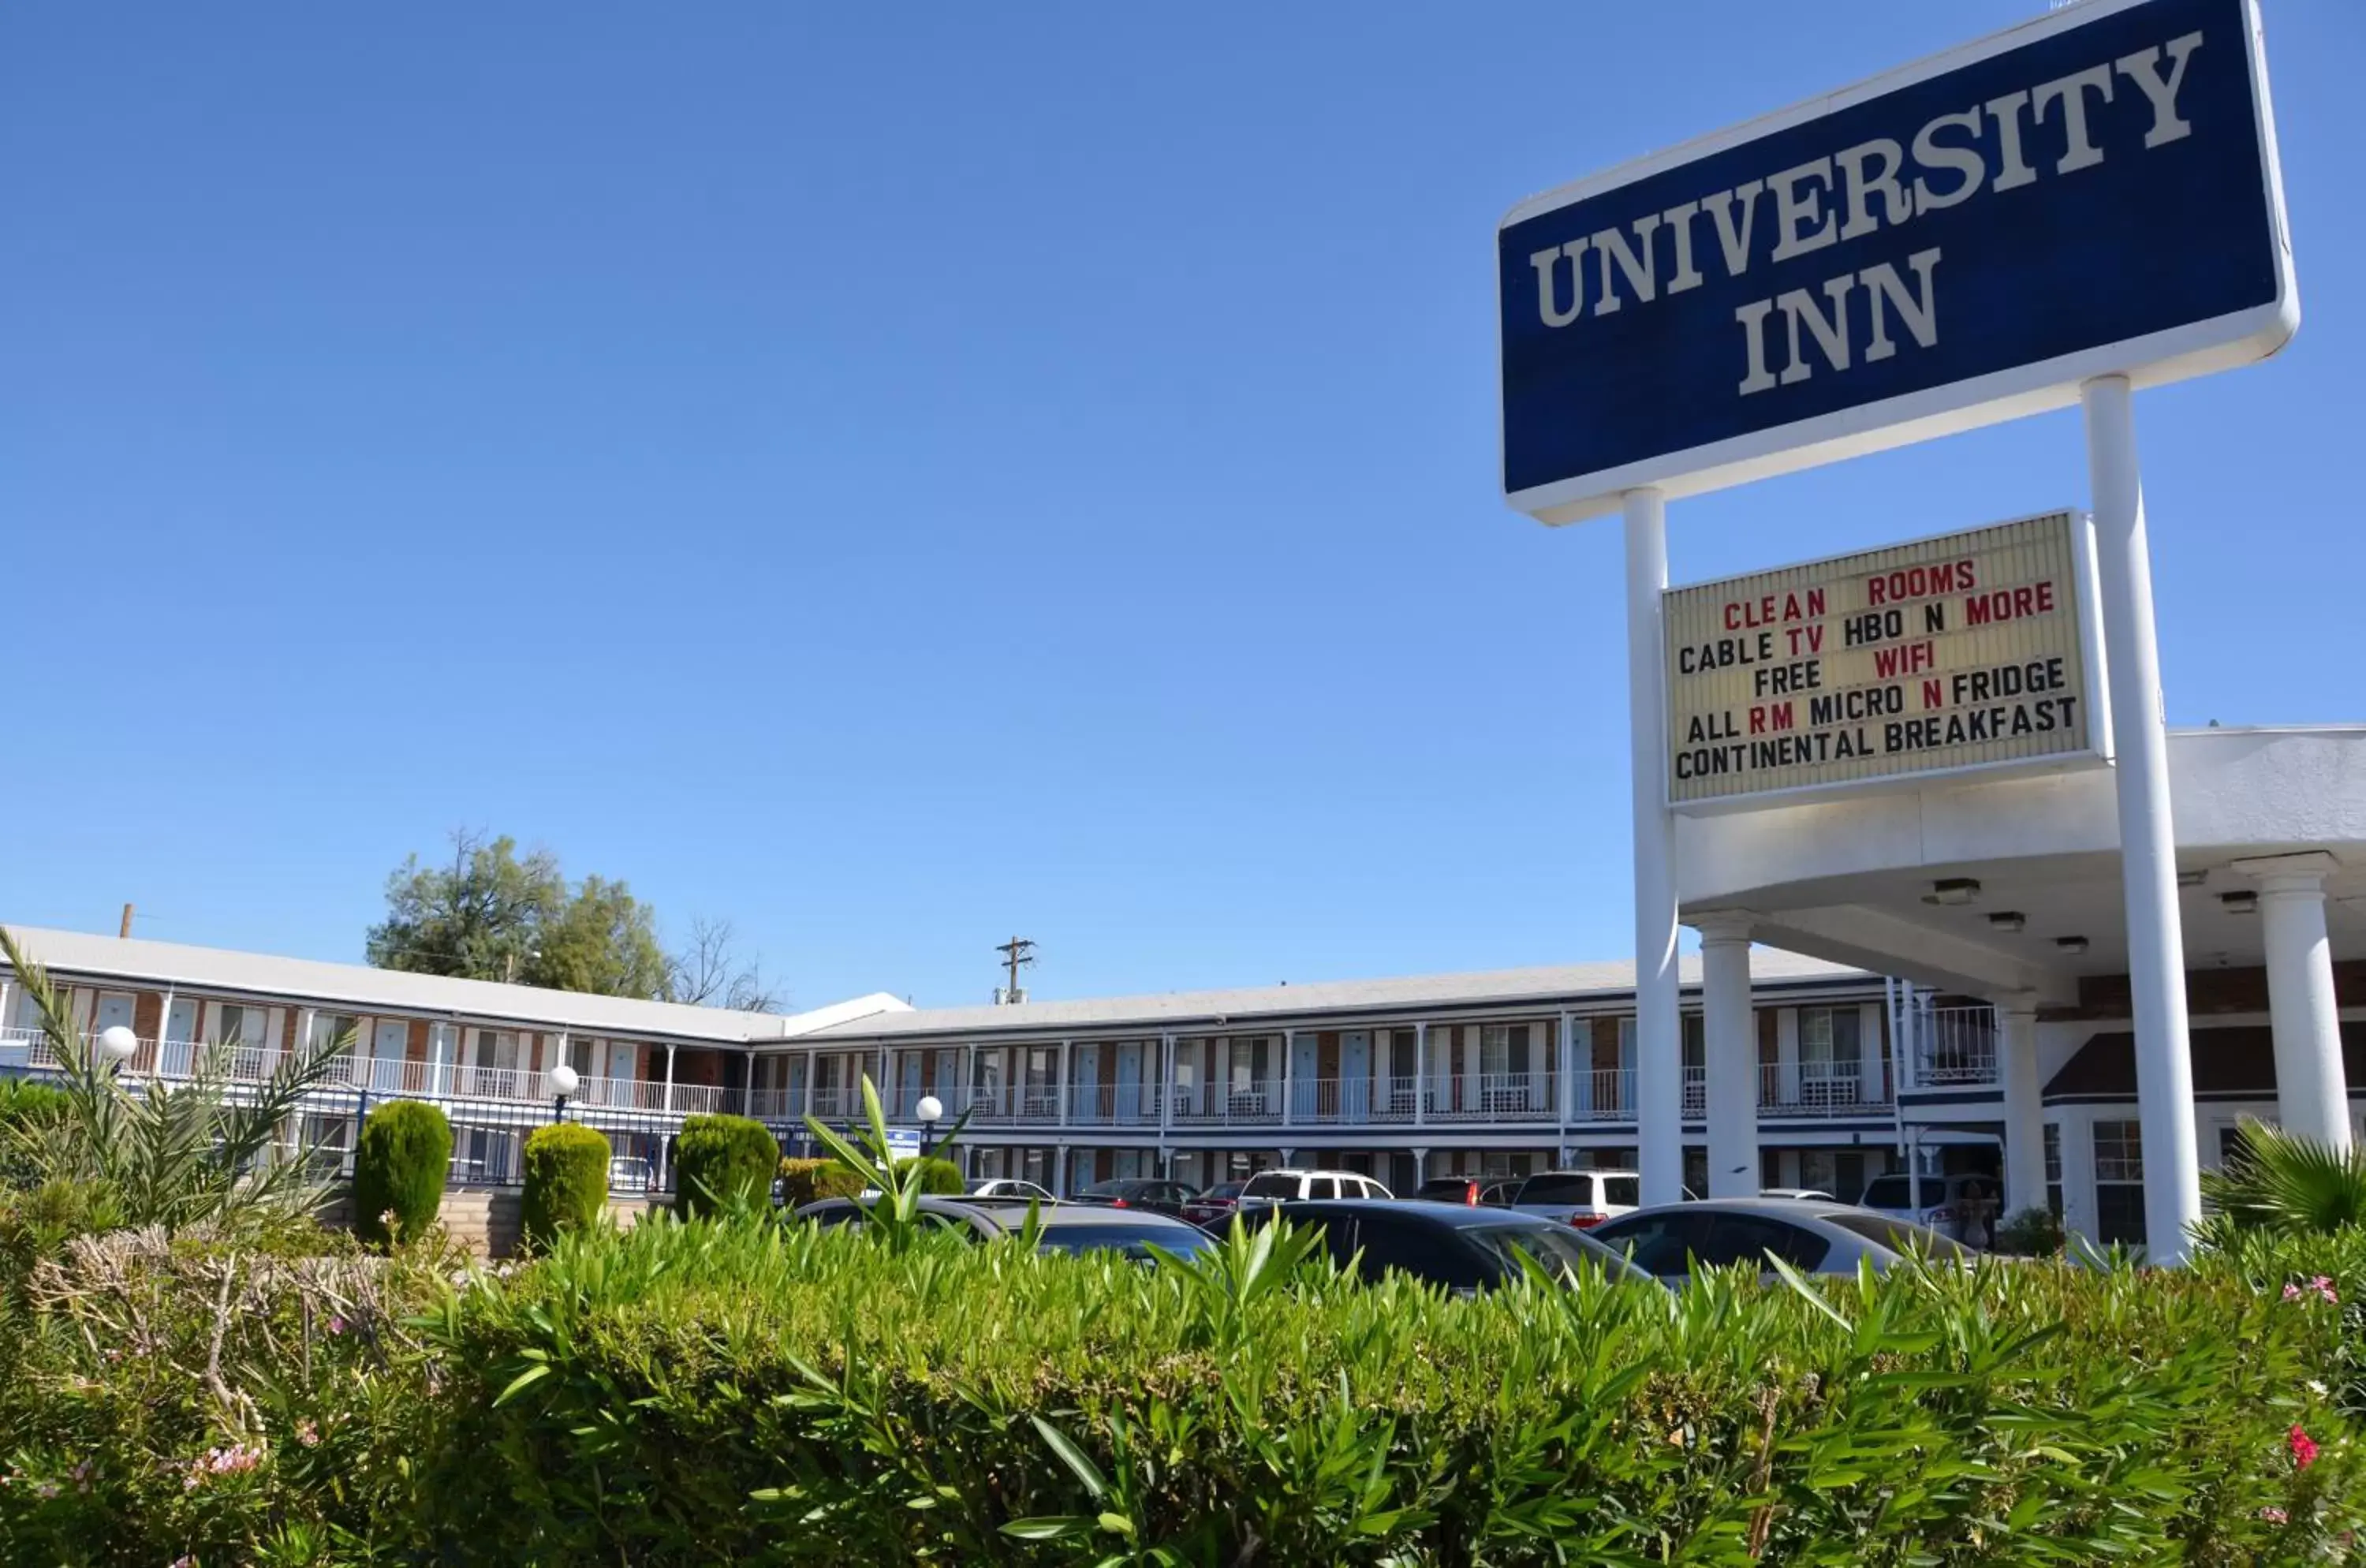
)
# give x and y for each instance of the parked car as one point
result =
(1213, 1209)
(1139, 1192)
(1005, 1187)
(1961, 1208)
(628, 1173)
(1815, 1239)
(1288, 1186)
(1801, 1194)
(1471, 1192)
(1462, 1247)
(1579, 1197)
(1061, 1227)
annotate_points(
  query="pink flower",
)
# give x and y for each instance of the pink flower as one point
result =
(2275, 1516)
(336, 1325)
(2292, 1292)
(308, 1434)
(2303, 1448)
(2322, 1286)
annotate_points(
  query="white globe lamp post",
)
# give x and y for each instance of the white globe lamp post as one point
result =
(564, 1082)
(118, 1044)
(930, 1110)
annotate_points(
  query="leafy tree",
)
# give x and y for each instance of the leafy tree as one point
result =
(602, 940)
(493, 914)
(479, 920)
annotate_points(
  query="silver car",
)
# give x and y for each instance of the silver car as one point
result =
(1670, 1239)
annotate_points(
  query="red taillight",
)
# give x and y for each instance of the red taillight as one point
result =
(1471, 1197)
(1585, 1222)
(1117, 1202)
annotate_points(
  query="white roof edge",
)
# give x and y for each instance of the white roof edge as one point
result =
(138, 962)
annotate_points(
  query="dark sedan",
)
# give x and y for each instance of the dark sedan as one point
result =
(1453, 1245)
(1139, 1192)
(1213, 1209)
(1061, 1227)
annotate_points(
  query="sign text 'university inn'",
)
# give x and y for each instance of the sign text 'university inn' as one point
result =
(1864, 253)
(1966, 650)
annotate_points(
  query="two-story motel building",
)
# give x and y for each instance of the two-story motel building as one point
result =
(1491, 1074)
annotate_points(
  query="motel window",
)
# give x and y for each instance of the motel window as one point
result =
(1495, 1051)
(2054, 1169)
(1827, 1043)
(328, 1028)
(242, 1025)
(2119, 1182)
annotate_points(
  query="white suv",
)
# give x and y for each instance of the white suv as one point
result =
(1291, 1186)
(1579, 1197)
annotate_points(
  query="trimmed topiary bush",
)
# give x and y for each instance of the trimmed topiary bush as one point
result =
(400, 1166)
(566, 1181)
(718, 1158)
(938, 1177)
(806, 1181)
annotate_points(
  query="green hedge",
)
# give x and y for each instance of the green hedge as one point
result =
(566, 1181)
(740, 1392)
(400, 1166)
(718, 1158)
(25, 1107)
(805, 1181)
(941, 1177)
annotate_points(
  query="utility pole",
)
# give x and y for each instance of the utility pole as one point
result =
(1015, 952)
(125, 932)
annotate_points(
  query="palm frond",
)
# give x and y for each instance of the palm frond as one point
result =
(2277, 1181)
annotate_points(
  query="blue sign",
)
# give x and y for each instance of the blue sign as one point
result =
(1960, 242)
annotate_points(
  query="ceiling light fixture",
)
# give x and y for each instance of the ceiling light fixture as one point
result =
(1952, 890)
(2239, 903)
(2194, 878)
(2071, 944)
(2008, 919)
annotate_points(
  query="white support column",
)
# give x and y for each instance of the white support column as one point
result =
(1421, 1078)
(2148, 841)
(963, 1101)
(1060, 1088)
(1166, 1098)
(669, 1078)
(2024, 1115)
(1659, 1040)
(1564, 1097)
(2312, 1088)
(1288, 1080)
(812, 1071)
(2078, 1171)
(1729, 1054)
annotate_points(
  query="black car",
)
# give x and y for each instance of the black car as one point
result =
(1060, 1228)
(1453, 1245)
(1139, 1192)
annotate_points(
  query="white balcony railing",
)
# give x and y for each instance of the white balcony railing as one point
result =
(1604, 1094)
(1492, 1097)
(1953, 1045)
(1810, 1088)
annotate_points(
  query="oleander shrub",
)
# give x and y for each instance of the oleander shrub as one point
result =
(400, 1166)
(936, 1178)
(566, 1182)
(719, 1161)
(26, 1109)
(190, 1399)
(739, 1391)
(810, 1180)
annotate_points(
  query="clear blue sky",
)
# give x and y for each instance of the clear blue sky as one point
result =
(899, 476)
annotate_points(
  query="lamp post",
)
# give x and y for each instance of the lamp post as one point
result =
(118, 1044)
(930, 1110)
(563, 1083)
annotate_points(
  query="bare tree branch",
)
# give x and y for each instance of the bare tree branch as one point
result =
(708, 971)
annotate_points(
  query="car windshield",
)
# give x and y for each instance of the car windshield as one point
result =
(1134, 1241)
(1889, 1192)
(1899, 1236)
(1552, 1246)
(1224, 1192)
(1122, 1188)
(1557, 1189)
